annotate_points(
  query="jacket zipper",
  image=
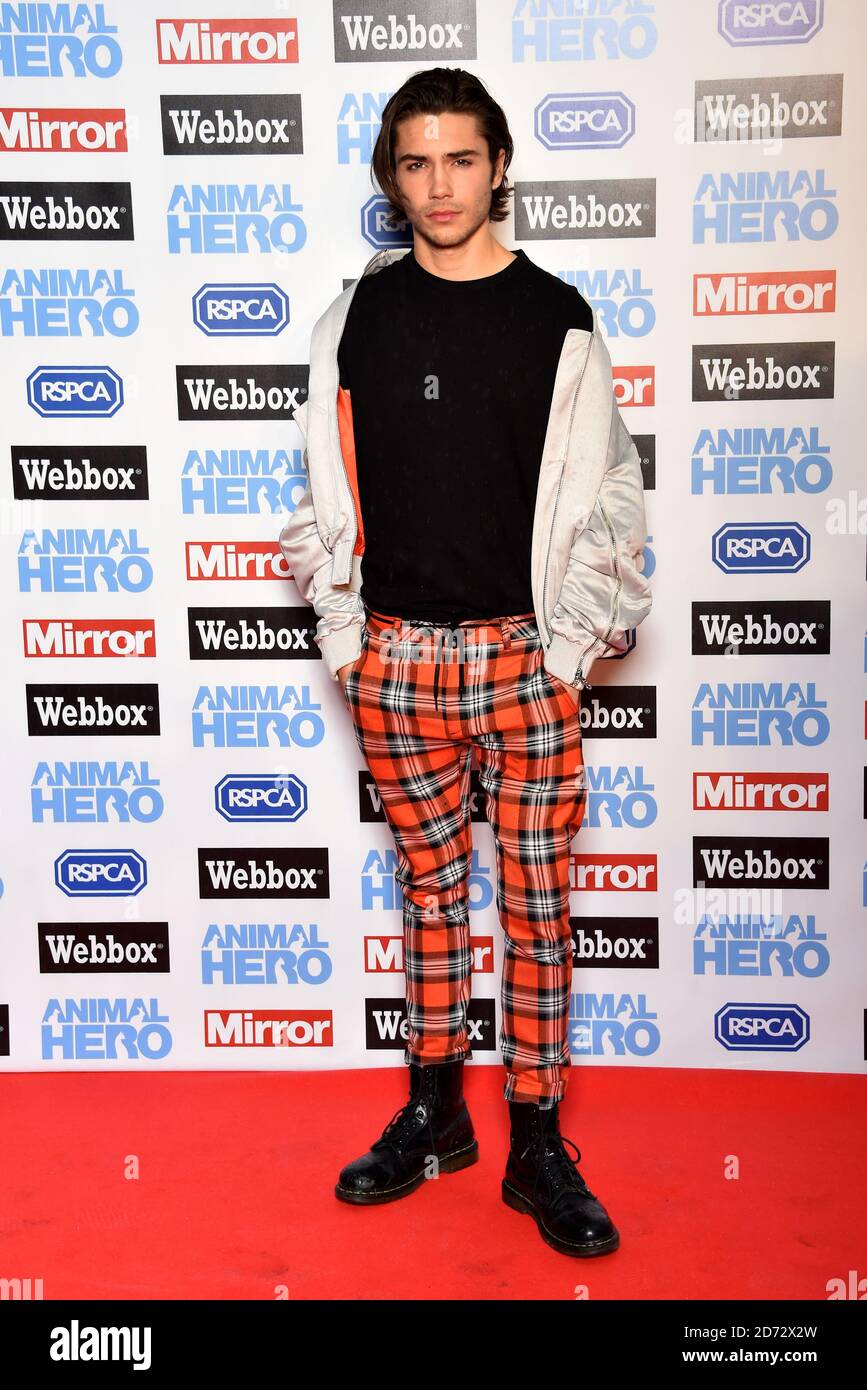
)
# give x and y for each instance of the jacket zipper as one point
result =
(615, 605)
(349, 496)
(617, 588)
(338, 448)
(580, 673)
(560, 485)
(336, 444)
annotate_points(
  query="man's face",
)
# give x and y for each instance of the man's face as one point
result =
(442, 165)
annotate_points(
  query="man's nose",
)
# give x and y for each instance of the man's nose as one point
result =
(440, 185)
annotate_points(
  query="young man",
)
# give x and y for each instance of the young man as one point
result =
(471, 540)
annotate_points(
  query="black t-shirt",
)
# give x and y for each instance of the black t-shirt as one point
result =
(450, 383)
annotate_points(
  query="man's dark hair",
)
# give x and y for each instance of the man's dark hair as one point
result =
(430, 92)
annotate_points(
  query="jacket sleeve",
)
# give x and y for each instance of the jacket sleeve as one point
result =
(604, 593)
(338, 608)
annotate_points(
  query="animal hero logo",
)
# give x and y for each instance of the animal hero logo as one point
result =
(64, 41)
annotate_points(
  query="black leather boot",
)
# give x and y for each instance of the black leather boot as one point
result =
(543, 1181)
(434, 1121)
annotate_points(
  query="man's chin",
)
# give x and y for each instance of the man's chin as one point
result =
(443, 233)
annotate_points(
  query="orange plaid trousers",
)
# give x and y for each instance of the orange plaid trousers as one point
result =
(422, 696)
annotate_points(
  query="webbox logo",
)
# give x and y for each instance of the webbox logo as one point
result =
(67, 473)
(253, 123)
(65, 212)
(404, 33)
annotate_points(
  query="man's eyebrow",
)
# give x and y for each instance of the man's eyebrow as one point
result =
(452, 154)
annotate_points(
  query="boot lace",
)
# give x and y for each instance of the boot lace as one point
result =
(553, 1163)
(404, 1123)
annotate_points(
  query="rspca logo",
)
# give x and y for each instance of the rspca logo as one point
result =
(548, 31)
(761, 1027)
(241, 311)
(589, 121)
(378, 228)
(100, 873)
(756, 205)
(758, 547)
(261, 797)
(752, 25)
(60, 303)
(75, 393)
(225, 219)
(90, 792)
(64, 41)
(755, 460)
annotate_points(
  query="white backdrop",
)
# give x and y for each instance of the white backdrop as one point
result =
(643, 177)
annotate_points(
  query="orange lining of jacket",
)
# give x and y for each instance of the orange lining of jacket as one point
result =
(347, 446)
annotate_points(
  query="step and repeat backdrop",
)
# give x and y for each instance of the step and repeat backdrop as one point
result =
(196, 871)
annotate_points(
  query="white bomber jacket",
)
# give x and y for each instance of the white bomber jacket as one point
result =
(589, 525)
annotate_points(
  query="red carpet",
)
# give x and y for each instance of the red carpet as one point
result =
(234, 1197)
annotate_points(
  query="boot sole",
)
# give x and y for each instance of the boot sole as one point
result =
(449, 1163)
(518, 1202)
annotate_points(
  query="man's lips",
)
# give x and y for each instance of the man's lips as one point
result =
(443, 213)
